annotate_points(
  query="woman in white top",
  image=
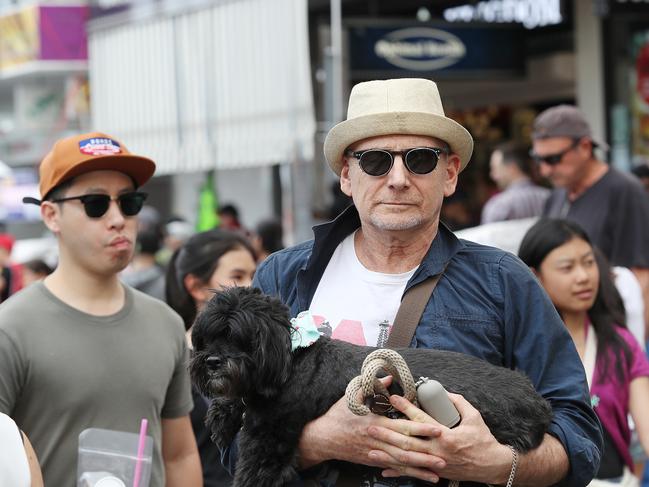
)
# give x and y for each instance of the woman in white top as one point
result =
(18, 463)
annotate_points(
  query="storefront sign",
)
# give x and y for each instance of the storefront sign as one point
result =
(464, 51)
(420, 49)
(530, 13)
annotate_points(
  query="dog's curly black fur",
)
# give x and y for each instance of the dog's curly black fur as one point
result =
(243, 362)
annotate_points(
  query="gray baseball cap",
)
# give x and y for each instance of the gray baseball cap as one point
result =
(564, 121)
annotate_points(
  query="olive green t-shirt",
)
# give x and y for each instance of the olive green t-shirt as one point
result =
(63, 371)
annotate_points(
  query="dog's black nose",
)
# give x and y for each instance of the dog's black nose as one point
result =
(213, 362)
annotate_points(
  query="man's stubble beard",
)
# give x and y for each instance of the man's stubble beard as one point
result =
(395, 223)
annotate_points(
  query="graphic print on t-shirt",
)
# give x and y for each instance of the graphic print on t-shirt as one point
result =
(355, 304)
(352, 331)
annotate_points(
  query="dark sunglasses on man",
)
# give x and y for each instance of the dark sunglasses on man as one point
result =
(378, 162)
(553, 159)
(96, 205)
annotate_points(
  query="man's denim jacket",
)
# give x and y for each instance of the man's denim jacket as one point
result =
(487, 304)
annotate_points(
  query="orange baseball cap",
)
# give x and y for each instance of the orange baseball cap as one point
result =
(83, 153)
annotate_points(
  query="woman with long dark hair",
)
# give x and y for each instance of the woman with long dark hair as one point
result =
(563, 258)
(205, 263)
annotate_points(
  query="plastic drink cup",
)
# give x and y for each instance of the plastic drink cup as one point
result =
(110, 458)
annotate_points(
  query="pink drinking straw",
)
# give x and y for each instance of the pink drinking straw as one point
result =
(140, 453)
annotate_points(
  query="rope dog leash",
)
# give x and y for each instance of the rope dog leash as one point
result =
(373, 391)
(390, 362)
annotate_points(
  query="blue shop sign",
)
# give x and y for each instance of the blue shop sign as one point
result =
(457, 51)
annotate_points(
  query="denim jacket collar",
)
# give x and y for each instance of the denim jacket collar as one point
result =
(328, 236)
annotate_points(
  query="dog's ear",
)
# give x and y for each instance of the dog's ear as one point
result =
(272, 347)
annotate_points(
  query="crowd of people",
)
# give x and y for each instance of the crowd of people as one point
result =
(103, 339)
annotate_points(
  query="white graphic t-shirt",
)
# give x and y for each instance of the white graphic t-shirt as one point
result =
(355, 304)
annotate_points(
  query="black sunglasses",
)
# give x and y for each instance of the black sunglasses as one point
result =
(553, 159)
(378, 162)
(96, 205)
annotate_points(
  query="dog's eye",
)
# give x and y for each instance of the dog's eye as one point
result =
(213, 362)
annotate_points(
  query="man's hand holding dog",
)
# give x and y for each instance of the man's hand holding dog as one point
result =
(422, 448)
(467, 452)
(416, 447)
(340, 435)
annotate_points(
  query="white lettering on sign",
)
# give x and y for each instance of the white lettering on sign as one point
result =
(420, 49)
(530, 13)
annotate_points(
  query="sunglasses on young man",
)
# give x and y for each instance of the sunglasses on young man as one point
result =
(553, 159)
(379, 162)
(96, 205)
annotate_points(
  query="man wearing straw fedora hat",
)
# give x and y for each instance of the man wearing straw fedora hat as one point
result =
(398, 156)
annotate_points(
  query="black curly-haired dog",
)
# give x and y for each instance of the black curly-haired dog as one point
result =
(244, 363)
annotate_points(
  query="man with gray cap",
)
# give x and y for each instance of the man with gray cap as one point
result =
(610, 205)
(398, 156)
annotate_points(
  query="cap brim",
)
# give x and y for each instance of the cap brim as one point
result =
(341, 136)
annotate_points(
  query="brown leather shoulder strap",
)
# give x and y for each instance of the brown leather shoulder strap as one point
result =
(412, 307)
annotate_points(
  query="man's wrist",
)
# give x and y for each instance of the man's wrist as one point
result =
(504, 466)
(307, 454)
(512, 472)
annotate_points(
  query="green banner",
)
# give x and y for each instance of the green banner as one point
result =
(208, 205)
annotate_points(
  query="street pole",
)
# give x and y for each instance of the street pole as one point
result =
(336, 62)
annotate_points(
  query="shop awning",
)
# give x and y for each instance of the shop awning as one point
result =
(222, 86)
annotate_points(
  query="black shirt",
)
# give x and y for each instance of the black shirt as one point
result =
(614, 212)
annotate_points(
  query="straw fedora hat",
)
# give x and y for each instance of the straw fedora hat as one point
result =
(410, 106)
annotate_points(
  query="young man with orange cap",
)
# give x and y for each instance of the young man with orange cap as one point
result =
(397, 156)
(81, 350)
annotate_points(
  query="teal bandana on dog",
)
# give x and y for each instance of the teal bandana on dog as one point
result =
(305, 332)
